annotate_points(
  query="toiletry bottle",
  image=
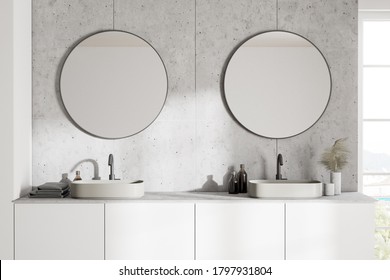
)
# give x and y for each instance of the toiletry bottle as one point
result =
(77, 178)
(65, 179)
(242, 179)
(232, 183)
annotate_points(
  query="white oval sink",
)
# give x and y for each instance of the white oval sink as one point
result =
(284, 189)
(113, 189)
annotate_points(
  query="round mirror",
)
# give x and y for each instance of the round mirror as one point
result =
(113, 84)
(277, 84)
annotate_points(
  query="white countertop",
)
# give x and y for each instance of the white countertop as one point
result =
(204, 197)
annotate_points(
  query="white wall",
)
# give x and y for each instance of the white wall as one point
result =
(15, 113)
(6, 124)
(22, 97)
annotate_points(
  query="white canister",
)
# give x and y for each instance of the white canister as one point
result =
(335, 178)
(329, 189)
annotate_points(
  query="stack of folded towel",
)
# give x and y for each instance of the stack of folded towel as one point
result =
(51, 190)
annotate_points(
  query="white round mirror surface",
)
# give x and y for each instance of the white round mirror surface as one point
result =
(113, 84)
(277, 84)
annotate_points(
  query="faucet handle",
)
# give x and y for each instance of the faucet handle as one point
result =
(110, 159)
(111, 164)
(279, 163)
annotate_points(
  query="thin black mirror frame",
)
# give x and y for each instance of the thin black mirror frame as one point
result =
(227, 65)
(60, 91)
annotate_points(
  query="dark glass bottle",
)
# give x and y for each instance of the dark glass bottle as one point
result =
(77, 178)
(232, 183)
(242, 180)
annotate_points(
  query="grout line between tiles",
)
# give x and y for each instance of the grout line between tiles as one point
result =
(196, 103)
(277, 14)
(113, 14)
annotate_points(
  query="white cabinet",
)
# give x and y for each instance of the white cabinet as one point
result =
(329, 231)
(150, 231)
(204, 230)
(239, 231)
(59, 231)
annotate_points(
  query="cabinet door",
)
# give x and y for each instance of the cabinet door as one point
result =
(150, 231)
(59, 231)
(329, 231)
(239, 231)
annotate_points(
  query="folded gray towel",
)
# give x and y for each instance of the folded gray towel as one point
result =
(53, 186)
(53, 190)
(38, 194)
(55, 193)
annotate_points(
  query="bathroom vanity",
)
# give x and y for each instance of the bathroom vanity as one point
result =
(195, 225)
(124, 83)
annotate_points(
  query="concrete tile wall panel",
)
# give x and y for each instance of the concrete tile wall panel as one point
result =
(57, 144)
(220, 27)
(332, 27)
(165, 151)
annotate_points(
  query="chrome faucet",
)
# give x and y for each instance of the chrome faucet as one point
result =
(279, 163)
(111, 164)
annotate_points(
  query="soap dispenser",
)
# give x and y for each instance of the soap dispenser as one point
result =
(77, 178)
(232, 183)
(242, 179)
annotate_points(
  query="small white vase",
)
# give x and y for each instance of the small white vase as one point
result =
(329, 189)
(335, 178)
